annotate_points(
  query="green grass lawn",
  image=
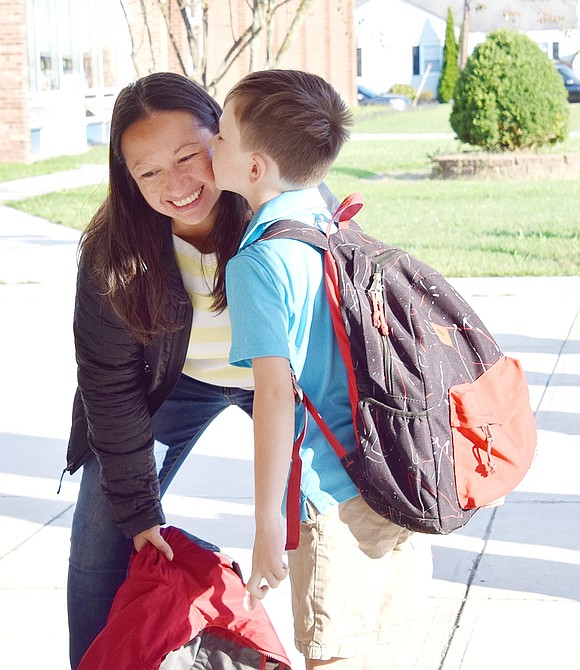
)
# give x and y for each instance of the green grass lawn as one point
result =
(97, 155)
(465, 227)
(71, 207)
(462, 227)
(431, 118)
(472, 228)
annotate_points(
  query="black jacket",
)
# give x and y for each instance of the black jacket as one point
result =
(121, 384)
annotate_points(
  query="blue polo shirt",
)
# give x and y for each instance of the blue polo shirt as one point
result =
(278, 307)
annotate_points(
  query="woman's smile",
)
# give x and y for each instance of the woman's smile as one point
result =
(189, 199)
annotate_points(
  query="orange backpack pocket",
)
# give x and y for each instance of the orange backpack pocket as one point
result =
(493, 433)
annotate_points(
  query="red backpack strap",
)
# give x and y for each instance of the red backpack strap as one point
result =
(347, 210)
(293, 492)
(339, 450)
(303, 232)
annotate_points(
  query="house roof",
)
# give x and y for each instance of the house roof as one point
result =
(488, 15)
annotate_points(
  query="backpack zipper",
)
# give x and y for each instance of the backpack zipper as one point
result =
(379, 317)
(376, 295)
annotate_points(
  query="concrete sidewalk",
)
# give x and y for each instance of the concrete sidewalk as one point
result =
(506, 588)
(87, 175)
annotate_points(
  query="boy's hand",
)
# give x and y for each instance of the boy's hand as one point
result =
(153, 536)
(267, 563)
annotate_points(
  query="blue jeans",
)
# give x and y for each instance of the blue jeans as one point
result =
(100, 553)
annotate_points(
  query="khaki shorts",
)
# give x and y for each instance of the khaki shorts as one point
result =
(357, 580)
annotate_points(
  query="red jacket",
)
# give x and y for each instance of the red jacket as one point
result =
(163, 605)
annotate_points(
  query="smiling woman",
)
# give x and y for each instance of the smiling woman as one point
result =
(152, 333)
(168, 155)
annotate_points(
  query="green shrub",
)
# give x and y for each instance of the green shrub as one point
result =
(403, 89)
(450, 71)
(509, 96)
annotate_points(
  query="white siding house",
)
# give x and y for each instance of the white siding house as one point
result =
(397, 40)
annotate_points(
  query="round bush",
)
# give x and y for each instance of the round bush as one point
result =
(509, 96)
(403, 89)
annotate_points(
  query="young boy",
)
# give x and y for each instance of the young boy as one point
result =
(353, 574)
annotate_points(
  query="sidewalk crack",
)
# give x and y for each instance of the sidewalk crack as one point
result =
(38, 530)
(470, 580)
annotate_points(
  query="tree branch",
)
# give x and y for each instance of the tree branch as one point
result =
(174, 44)
(191, 41)
(133, 55)
(290, 34)
(146, 22)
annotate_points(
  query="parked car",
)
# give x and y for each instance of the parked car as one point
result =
(393, 100)
(571, 81)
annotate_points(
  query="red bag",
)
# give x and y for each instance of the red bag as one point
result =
(193, 606)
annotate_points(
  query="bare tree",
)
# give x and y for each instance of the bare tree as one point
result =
(263, 18)
(134, 47)
(256, 41)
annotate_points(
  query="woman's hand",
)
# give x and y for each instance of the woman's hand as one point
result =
(153, 535)
(267, 563)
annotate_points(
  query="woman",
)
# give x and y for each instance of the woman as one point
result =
(150, 306)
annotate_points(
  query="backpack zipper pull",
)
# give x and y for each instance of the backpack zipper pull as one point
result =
(489, 467)
(376, 295)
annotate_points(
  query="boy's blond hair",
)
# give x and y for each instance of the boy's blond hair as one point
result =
(295, 118)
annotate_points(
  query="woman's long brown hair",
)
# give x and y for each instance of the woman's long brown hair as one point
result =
(121, 245)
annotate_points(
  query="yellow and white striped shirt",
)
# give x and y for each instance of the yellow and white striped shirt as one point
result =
(210, 338)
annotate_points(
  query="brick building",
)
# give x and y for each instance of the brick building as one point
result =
(64, 61)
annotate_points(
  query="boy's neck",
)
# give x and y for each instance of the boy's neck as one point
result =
(263, 192)
(256, 200)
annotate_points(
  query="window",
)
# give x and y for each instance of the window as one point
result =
(359, 62)
(416, 61)
(432, 56)
(76, 45)
(556, 51)
(48, 75)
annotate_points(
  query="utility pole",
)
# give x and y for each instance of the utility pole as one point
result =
(464, 33)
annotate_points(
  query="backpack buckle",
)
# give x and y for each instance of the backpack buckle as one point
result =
(298, 392)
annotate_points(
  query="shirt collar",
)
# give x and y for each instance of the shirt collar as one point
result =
(306, 205)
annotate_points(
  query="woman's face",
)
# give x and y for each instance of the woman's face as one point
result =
(168, 155)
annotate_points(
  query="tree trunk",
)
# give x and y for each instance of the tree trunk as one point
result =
(464, 36)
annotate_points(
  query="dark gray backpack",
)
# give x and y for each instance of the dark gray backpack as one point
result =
(442, 417)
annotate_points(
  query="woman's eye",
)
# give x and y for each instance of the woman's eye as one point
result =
(187, 158)
(147, 175)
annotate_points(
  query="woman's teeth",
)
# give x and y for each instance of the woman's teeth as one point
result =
(188, 200)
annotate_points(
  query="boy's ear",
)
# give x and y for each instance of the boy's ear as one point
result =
(258, 168)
